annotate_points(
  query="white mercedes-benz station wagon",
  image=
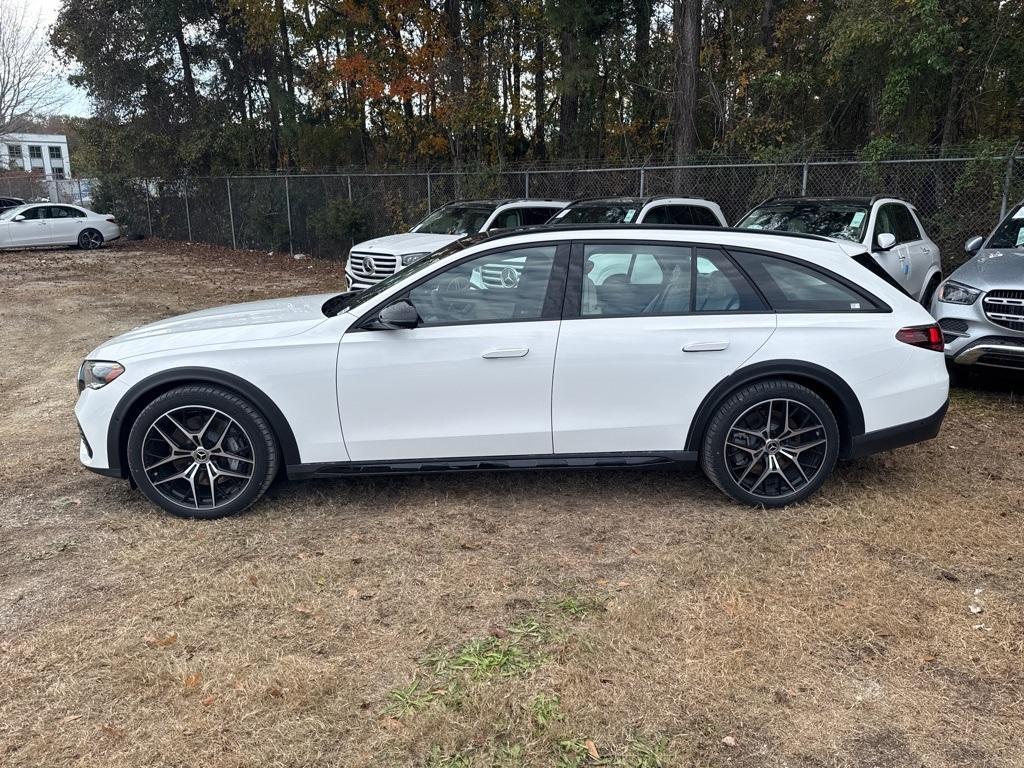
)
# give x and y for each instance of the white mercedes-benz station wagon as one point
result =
(762, 357)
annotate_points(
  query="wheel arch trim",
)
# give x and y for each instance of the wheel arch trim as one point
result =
(802, 372)
(134, 399)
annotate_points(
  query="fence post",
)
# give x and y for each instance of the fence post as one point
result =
(1006, 183)
(149, 216)
(79, 190)
(803, 181)
(348, 181)
(526, 184)
(188, 215)
(643, 179)
(231, 215)
(288, 210)
(430, 201)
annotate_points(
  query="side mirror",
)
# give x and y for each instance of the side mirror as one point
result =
(398, 315)
(19, 217)
(974, 244)
(885, 241)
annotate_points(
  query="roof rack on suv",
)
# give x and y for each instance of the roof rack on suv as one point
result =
(619, 227)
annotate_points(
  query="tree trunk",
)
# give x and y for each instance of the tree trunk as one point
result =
(686, 42)
(768, 26)
(455, 68)
(569, 101)
(539, 97)
(641, 75)
(186, 63)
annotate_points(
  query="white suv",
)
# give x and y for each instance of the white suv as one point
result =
(371, 261)
(886, 226)
(762, 357)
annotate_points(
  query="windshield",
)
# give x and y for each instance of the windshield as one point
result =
(345, 301)
(845, 221)
(10, 213)
(1009, 234)
(602, 213)
(456, 220)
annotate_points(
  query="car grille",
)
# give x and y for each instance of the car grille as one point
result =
(1005, 308)
(499, 275)
(371, 268)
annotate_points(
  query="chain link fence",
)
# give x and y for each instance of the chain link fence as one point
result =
(324, 214)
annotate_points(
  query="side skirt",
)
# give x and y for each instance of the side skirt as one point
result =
(676, 459)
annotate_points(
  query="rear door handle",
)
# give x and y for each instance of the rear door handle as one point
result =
(706, 346)
(496, 354)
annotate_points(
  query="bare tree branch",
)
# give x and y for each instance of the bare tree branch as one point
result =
(28, 83)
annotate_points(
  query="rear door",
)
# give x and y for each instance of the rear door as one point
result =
(649, 329)
(64, 224)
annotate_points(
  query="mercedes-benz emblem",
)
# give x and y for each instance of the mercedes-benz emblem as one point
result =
(509, 277)
(369, 266)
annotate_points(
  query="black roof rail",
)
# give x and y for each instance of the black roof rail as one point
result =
(503, 233)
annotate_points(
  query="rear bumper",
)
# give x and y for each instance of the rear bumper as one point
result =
(895, 437)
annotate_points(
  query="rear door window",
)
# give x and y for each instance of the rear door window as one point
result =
(685, 215)
(539, 215)
(906, 227)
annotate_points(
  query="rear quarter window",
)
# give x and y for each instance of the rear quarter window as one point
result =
(790, 286)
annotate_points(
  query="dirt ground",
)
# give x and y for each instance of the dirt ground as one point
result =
(548, 619)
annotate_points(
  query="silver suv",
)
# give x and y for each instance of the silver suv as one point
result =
(980, 308)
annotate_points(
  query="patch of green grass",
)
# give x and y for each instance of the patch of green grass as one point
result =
(509, 756)
(545, 710)
(642, 753)
(437, 759)
(412, 698)
(638, 752)
(580, 607)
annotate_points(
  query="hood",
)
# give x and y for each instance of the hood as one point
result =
(407, 242)
(271, 319)
(993, 268)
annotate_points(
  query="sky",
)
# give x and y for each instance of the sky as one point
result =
(76, 102)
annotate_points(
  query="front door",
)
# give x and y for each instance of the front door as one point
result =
(658, 327)
(896, 261)
(474, 378)
(33, 230)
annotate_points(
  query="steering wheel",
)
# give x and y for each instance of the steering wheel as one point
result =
(447, 301)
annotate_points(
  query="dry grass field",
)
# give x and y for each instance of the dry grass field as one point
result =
(548, 619)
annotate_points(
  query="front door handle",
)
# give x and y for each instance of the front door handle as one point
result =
(706, 346)
(496, 354)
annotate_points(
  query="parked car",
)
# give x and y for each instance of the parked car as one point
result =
(763, 357)
(10, 202)
(34, 225)
(686, 211)
(371, 261)
(980, 308)
(889, 228)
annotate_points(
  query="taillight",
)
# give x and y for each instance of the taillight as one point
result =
(924, 336)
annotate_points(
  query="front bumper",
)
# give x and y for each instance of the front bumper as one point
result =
(896, 437)
(991, 352)
(972, 338)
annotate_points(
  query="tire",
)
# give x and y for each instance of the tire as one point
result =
(929, 292)
(202, 452)
(90, 239)
(754, 466)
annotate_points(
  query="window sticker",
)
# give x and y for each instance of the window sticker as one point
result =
(858, 217)
(854, 305)
(629, 215)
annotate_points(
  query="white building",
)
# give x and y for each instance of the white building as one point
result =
(42, 153)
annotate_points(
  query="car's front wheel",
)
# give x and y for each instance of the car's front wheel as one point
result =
(89, 239)
(200, 451)
(771, 443)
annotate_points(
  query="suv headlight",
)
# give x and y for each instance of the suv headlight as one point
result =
(96, 374)
(957, 293)
(412, 258)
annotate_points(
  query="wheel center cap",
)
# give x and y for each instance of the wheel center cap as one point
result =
(201, 455)
(772, 447)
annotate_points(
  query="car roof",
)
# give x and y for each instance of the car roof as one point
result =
(842, 200)
(496, 202)
(639, 202)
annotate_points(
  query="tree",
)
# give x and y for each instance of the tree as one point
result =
(28, 84)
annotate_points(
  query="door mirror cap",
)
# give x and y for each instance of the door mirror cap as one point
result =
(885, 241)
(974, 244)
(19, 217)
(398, 315)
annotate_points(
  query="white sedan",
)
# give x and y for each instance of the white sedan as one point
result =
(46, 224)
(762, 357)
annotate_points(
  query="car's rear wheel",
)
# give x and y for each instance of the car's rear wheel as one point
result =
(200, 451)
(89, 239)
(771, 443)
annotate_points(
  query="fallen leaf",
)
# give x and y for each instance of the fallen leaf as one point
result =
(275, 691)
(161, 641)
(71, 718)
(112, 730)
(193, 679)
(498, 632)
(253, 580)
(208, 700)
(592, 749)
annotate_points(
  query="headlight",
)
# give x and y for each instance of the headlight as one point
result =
(956, 293)
(95, 374)
(412, 258)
